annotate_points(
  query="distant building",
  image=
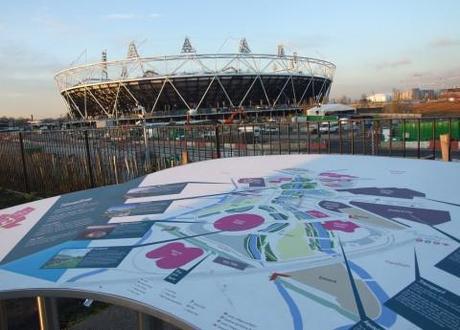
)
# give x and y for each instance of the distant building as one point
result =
(379, 98)
(329, 109)
(427, 94)
(407, 95)
(450, 95)
(414, 94)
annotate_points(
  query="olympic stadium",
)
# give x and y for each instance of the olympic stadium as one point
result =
(190, 83)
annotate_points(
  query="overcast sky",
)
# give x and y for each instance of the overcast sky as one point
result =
(376, 45)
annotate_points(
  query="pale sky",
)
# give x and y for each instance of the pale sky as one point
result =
(376, 45)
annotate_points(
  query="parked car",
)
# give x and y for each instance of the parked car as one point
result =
(249, 130)
(329, 127)
(269, 130)
(208, 134)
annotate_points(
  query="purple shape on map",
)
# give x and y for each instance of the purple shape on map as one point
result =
(338, 225)
(388, 192)
(333, 206)
(239, 222)
(174, 255)
(257, 182)
(425, 216)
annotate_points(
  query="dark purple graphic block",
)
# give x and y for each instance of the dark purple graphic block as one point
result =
(425, 216)
(385, 192)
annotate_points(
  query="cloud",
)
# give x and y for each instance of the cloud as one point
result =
(419, 74)
(26, 64)
(130, 16)
(44, 18)
(13, 95)
(393, 64)
(308, 42)
(444, 42)
(434, 79)
(118, 16)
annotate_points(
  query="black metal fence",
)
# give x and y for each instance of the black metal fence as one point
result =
(55, 162)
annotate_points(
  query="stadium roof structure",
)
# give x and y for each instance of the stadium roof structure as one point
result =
(191, 81)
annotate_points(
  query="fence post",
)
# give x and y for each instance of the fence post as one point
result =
(185, 159)
(404, 137)
(450, 138)
(88, 161)
(147, 164)
(418, 137)
(445, 147)
(24, 168)
(434, 138)
(217, 142)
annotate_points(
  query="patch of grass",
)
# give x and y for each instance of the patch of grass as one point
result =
(10, 198)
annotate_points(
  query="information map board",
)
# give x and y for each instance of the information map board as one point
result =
(272, 242)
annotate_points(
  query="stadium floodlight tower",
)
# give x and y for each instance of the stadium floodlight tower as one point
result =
(244, 47)
(193, 83)
(187, 47)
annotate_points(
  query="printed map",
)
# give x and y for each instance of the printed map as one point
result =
(305, 244)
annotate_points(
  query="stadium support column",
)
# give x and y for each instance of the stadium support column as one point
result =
(305, 92)
(319, 97)
(328, 91)
(282, 90)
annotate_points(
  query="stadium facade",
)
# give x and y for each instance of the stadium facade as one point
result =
(193, 83)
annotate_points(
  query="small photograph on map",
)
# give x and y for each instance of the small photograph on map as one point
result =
(253, 182)
(97, 257)
(67, 258)
(156, 207)
(115, 231)
(157, 190)
(96, 232)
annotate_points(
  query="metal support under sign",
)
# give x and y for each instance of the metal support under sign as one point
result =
(47, 313)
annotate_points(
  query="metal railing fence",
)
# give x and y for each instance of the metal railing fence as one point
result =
(56, 162)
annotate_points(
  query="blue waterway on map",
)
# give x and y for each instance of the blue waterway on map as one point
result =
(293, 309)
(252, 244)
(387, 317)
(325, 243)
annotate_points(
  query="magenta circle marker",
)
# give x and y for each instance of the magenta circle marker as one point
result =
(239, 222)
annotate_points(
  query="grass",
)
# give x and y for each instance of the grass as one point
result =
(10, 198)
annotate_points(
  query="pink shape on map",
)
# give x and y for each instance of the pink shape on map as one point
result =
(239, 222)
(8, 221)
(174, 255)
(338, 225)
(317, 214)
